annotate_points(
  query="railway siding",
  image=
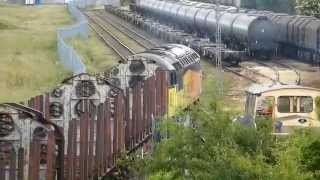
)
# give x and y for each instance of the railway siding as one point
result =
(115, 34)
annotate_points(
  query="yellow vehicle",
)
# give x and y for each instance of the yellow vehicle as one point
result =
(289, 106)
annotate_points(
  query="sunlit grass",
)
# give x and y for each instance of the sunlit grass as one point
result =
(210, 90)
(29, 62)
(96, 56)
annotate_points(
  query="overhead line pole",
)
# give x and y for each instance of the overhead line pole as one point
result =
(220, 81)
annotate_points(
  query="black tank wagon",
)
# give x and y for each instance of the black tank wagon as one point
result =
(240, 31)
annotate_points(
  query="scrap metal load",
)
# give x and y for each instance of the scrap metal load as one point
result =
(240, 31)
(78, 130)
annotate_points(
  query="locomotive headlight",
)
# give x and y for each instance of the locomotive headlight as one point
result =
(137, 67)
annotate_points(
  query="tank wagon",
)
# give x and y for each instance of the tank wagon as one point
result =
(241, 31)
(78, 130)
(298, 36)
(203, 46)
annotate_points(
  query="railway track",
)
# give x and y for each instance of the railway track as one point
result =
(292, 68)
(109, 23)
(280, 69)
(230, 69)
(132, 34)
(109, 38)
(121, 38)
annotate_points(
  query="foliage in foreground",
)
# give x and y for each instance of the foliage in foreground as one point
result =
(218, 149)
(309, 7)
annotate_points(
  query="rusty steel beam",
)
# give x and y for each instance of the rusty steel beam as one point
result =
(84, 124)
(119, 112)
(50, 156)
(20, 163)
(152, 102)
(98, 164)
(146, 106)
(2, 168)
(134, 115)
(70, 151)
(122, 117)
(12, 166)
(34, 162)
(128, 120)
(92, 114)
(75, 161)
(140, 108)
(108, 141)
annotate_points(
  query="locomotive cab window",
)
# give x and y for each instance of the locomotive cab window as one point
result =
(306, 104)
(284, 104)
(295, 104)
(173, 78)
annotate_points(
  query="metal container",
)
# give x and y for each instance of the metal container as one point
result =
(201, 19)
(312, 35)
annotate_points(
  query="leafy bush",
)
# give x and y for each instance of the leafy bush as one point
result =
(219, 149)
(309, 7)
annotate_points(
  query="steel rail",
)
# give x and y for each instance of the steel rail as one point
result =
(277, 80)
(109, 38)
(140, 39)
(240, 75)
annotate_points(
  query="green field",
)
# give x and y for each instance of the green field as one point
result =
(29, 62)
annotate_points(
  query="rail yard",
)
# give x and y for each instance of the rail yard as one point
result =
(168, 54)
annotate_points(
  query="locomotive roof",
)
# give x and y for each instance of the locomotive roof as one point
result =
(175, 53)
(264, 89)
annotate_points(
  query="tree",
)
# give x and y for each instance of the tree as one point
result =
(216, 148)
(308, 7)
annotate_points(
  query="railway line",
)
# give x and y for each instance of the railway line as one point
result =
(281, 70)
(107, 19)
(132, 34)
(109, 38)
(121, 38)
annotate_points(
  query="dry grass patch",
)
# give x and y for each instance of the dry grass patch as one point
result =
(29, 62)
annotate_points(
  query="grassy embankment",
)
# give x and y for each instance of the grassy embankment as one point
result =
(94, 53)
(28, 54)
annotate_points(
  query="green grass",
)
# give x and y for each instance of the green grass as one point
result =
(210, 88)
(94, 53)
(29, 62)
